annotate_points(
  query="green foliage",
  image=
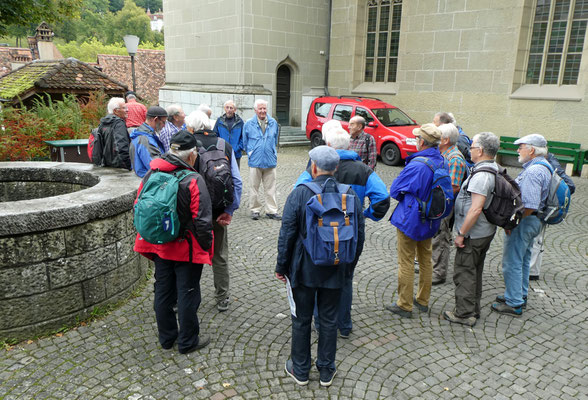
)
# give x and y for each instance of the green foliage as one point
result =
(153, 5)
(131, 20)
(115, 5)
(24, 12)
(88, 51)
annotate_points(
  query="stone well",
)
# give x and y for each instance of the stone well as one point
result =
(66, 243)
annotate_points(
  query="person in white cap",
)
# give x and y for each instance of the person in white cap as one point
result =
(516, 254)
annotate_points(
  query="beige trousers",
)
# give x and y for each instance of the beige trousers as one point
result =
(268, 177)
(407, 249)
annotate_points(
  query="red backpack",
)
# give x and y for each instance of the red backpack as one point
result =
(94, 144)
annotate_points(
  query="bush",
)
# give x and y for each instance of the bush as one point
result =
(23, 132)
(88, 51)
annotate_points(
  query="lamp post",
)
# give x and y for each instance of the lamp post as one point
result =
(131, 43)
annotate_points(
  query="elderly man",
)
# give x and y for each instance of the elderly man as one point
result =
(113, 129)
(145, 143)
(464, 142)
(174, 124)
(362, 143)
(474, 232)
(309, 281)
(230, 128)
(457, 171)
(137, 111)
(414, 234)
(178, 264)
(365, 182)
(260, 140)
(534, 183)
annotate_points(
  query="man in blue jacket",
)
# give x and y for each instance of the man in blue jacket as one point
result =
(230, 128)
(365, 182)
(309, 281)
(145, 144)
(260, 139)
(414, 235)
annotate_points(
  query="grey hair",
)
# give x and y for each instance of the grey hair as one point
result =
(359, 119)
(131, 96)
(337, 138)
(430, 144)
(204, 108)
(449, 131)
(444, 118)
(540, 151)
(453, 121)
(259, 102)
(229, 102)
(489, 142)
(198, 120)
(329, 125)
(114, 103)
(183, 154)
(173, 110)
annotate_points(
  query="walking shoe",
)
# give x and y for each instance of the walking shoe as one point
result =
(255, 216)
(438, 281)
(533, 277)
(203, 341)
(326, 377)
(419, 305)
(451, 317)
(397, 310)
(501, 299)
(504, 308)
(277, 217)
(223, 305)
(344, 335)
(290, 371)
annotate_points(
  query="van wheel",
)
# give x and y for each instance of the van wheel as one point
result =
(316, 139)
(390, 154)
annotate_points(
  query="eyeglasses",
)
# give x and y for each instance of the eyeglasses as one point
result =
(475, 147)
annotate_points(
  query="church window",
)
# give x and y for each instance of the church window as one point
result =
(383, 35)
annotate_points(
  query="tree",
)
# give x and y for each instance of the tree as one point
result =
(115, 5)
(131, 20)
(153, 5)
(24, 12)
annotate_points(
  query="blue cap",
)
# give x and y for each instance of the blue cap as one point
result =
(325, 158)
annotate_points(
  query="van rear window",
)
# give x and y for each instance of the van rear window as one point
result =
(322, 109)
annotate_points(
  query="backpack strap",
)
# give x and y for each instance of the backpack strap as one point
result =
(479, 169)
(425, 161)
(220, 144)
(546, 165)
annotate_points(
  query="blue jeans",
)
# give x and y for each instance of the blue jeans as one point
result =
(516, 259)
(177, 282)
(327, 301)
(344, 313)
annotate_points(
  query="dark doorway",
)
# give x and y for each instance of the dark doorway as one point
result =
(283, 95)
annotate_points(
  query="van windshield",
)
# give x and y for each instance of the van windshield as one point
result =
(392, 117)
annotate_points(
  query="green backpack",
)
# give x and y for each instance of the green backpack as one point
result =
(156, 217)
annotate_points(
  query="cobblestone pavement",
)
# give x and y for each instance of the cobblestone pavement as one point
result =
(543, 354)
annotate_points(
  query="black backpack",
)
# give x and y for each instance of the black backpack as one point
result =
(506, 207)
(104, 148)
(215, 167)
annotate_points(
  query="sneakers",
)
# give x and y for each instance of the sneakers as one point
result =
(289, 368)
(223, 305)
(533, 277)
(202, 342)
(419, 305)
(326, 377)
(255, 216)
(504, 308)
(277, 217)
(437, 281)
(501, 299)
(451, 317)
(344, 335)
(397, 310)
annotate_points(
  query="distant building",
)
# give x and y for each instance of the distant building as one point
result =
(156, 20)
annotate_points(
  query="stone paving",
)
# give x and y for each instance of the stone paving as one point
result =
(543, 354)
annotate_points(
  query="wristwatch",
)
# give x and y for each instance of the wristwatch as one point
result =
(460, 234)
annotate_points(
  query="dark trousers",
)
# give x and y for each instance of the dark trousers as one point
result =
(220, 261)
(238, 162)
(328, 304)
(467, 276)
(344, 322)
(177, 281)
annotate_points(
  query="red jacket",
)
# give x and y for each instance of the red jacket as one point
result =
(194, 205)
(137, 113)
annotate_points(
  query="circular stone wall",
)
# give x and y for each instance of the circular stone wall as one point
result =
(61, 256)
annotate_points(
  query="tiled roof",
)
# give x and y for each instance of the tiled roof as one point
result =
(69, 75)
(149, 71)
(9, 55)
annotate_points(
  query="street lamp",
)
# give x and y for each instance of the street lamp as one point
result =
(131, 43)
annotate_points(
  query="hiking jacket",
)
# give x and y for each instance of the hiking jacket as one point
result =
(233, 136)
(413, 182)
(293, 259)
(145, 146)
(364, 181)
(116, 126)
(195, 243)
(261, 147)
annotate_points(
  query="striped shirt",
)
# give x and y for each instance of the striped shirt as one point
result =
(457, 165)
(167, 132)
(534, 183)
(367, 154)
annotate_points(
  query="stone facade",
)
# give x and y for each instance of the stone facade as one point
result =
(68, 253)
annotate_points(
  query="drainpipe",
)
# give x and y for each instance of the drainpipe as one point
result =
(328, 51)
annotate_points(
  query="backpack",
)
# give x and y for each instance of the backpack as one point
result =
(464, 145)
(440, 201)
(103, 148)
(215, 168)
(331, 224)
(95, 144)
(558, 200)
(506, 206)
(156, 216)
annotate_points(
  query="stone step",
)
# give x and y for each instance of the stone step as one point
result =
(293, 136)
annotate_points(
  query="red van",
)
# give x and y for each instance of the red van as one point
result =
(391, 127)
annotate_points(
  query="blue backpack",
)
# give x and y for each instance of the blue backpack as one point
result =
(558, 200)
(440, 201)
(331, 224)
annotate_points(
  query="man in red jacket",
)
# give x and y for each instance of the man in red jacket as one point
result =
(178, 264)
(137, 112)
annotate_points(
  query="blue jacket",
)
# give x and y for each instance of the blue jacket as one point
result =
(260, 147)
(364, 181)
(412, 182)
(233, 136)
(145, 146)
(293, 260)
